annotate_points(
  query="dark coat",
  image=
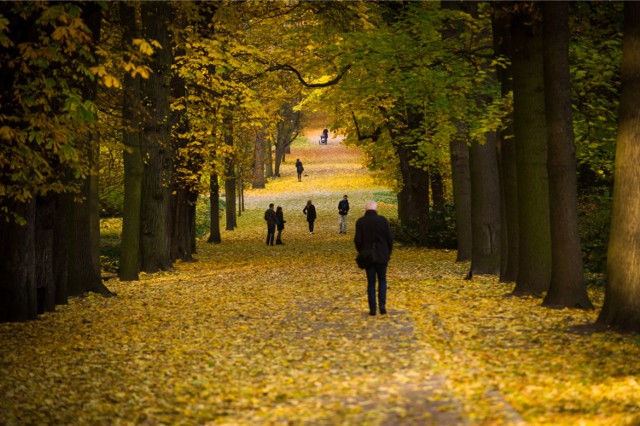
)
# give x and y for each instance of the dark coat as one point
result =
(299, 167)
(372, 228)
(310, 211)
(280, 220)
(270, 217)
(343, 207)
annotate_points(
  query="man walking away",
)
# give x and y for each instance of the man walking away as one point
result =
(374, 233)
(343, 209)
(270, 217)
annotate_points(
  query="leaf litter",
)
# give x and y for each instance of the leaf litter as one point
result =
(280, 335)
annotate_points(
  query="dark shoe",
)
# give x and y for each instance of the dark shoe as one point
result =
(372, 313)
(278, 242)
(383, 311)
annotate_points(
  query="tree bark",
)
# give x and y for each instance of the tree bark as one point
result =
(44, 249)
(130, 249)
(413, 198)
(461, 183)
(621, 309)
(186, 164)
(156, 144)
(534, 261)
(214, 199)
(18, 294)
(506, 148)
(485, 207)
(229, 178)
(258, 181)
(567, 287)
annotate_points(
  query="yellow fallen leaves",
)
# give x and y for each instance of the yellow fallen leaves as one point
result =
(256, 335)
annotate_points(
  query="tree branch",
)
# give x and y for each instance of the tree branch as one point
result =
(284, 67)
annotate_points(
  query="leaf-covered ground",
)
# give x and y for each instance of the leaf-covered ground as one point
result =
(257, 335)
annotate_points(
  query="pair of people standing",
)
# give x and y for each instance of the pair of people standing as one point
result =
(343, 209)
(275, 220)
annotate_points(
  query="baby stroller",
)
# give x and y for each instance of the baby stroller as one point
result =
(324, 138)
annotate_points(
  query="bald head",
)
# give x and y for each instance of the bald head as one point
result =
(371, 205)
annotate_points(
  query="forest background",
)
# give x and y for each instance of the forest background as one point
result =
(494, 126)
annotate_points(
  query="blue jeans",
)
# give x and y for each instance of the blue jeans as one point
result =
(378, 270)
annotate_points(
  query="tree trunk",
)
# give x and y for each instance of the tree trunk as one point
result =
(230, 178)
(156, 144)
(214, 198)
(461, 183)
(534, 261)
(621, 308)
(413, 198)
(186, 164)
(18, 294)
(567, 287)
(130, 260)
(485, 207)
(506, 149)
(258, 181)
(44, 263)
(459, 156)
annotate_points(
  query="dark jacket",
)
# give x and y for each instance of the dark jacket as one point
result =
(280, 220)
(270, 217)
(310, 211)
(372, 228)
(343, 207)
(299, 167)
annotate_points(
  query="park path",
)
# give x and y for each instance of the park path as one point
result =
(248, 334)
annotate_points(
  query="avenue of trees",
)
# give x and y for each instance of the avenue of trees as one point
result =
(511, 111)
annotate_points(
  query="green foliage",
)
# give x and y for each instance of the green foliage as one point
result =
(442, 229)
(595, 220)
(110, 244)
(595, 54)
(203, 215)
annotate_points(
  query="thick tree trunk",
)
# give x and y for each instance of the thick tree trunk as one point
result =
(567, 288)
(84, 269)
(214, 197)
(459, 156)
(506, 148)
(156, 144)
(181, 232)
(44, 249)
(61, 232)
(130, 249)
(413, 198)
(461, 183)
(186, 164)
(84, 255)
(18, 294)
(485, 206)
(534, 261)
(621, 308)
